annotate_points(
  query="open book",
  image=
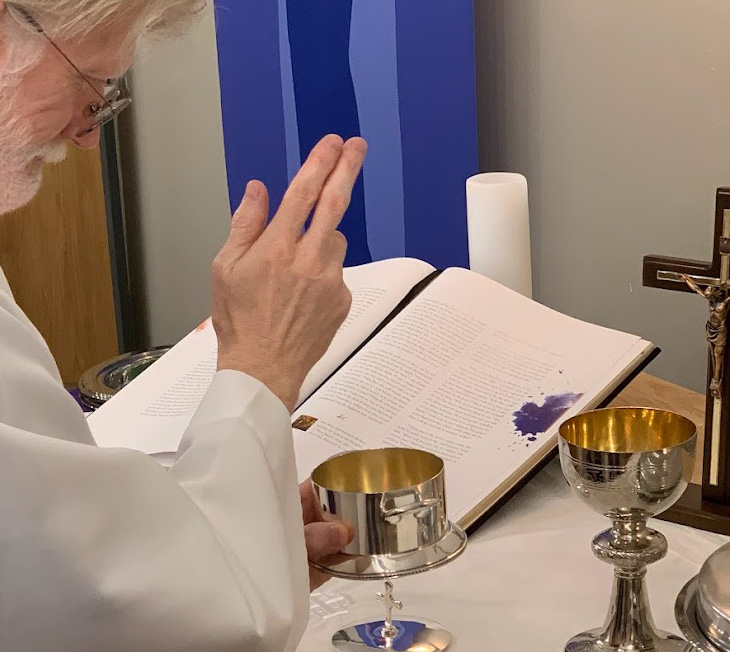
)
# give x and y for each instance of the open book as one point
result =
(452, 363)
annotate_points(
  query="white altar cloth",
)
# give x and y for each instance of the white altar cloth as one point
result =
(527, 581)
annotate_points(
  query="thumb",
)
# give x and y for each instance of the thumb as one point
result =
(249, 220)
(324, 539)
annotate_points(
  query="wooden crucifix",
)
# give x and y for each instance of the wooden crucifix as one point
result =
(707, 507)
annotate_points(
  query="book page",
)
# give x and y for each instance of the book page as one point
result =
(376, 289)
(152, 412)
(470, 371)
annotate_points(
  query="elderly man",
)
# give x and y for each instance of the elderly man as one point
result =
(104, 550)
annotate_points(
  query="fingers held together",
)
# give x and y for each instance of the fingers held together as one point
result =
(279, 295)
(335, 195)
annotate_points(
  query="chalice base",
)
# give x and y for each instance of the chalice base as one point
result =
(629, 626)
(411, 636)
(595, 641)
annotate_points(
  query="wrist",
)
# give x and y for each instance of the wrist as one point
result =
(287, 395)
(279, 384)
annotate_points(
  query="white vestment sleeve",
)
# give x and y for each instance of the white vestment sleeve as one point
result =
(106, 550)
(258, 517)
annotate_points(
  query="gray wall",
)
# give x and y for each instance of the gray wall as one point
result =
(618, 113)
(175, 184)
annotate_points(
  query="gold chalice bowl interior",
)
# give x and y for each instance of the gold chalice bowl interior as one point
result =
(628, 460)
(628, 430)
(377, 471)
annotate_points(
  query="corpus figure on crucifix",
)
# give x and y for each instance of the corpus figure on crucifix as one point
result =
(707, 506)
(716, 327)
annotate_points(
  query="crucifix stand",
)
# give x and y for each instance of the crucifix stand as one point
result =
(707, 506)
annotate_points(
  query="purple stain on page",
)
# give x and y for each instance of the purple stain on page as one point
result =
(532, 419)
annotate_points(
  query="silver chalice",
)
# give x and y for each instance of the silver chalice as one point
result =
(628, 464)
(395, 501)
(703, 607)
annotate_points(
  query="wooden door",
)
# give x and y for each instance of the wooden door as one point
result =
(55, 253)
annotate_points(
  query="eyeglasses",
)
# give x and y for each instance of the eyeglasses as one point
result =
(116, 96)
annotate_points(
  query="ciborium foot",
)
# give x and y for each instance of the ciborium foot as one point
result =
(389, 634)
(411, 636)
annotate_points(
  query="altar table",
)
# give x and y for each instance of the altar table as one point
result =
(528, 580)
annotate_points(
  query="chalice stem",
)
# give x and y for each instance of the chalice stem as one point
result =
(629, 624)
(629, 546)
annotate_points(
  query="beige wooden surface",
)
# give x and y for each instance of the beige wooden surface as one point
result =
(649, 391)
(55, 254)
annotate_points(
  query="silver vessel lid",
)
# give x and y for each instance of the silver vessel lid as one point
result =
(104, 380)
(713, 598)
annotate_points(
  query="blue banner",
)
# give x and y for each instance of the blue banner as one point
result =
(400, 74)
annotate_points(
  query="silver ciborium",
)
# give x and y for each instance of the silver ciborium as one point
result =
(703, 607)
(394, 499)
(628, 464)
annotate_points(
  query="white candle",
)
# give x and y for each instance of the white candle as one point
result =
(498, 219)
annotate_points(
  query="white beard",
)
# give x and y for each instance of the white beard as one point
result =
(21, 163)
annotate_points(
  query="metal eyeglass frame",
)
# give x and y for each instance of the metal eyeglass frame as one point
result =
(116, 95)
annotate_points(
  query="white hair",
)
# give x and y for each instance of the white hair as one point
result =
(20, 157)
(75, 18)
(72, 19)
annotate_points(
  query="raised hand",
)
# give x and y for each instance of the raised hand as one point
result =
(278, 290)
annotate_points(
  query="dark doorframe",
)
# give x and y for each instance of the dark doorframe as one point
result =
(116, 229)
